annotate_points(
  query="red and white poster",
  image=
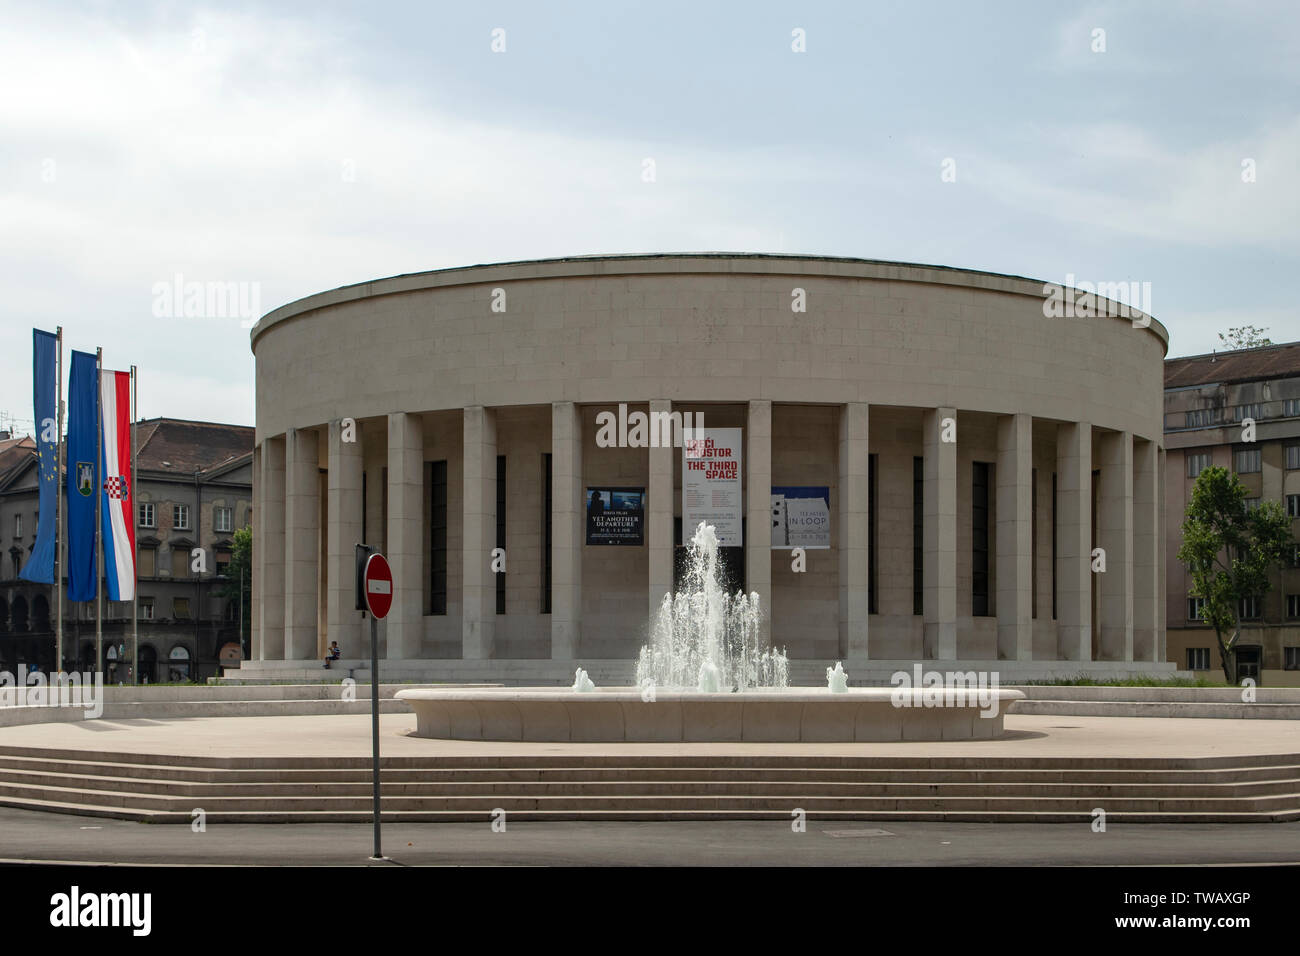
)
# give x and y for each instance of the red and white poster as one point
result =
(711, 489)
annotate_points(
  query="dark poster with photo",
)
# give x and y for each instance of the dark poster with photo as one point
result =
(615, 516)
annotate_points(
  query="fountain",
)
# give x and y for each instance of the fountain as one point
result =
(704, 638)
(837, 681)
(706, 675)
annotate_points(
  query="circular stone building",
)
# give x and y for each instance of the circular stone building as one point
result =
(947, 453)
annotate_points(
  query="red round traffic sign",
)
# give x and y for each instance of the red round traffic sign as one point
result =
(378, 580)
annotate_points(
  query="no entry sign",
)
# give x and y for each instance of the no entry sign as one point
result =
(378, 583)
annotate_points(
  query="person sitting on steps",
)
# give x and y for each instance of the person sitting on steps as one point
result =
(332, 654)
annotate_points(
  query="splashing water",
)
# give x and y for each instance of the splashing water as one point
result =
(707, 639)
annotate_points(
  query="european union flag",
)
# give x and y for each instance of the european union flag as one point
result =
(40, 566)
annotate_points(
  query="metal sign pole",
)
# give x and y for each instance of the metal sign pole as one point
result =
(374, 725)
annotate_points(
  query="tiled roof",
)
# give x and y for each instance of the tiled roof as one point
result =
(14, 454)
(169, 445)
(184, 447)
(1240, 365)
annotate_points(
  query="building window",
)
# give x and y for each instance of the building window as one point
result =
(1033, 542)
(1202, 417)
(1198, 658)
(547, 478)
(1291, 658)
(1246, 461)
(1255, 411)
(918, 535)
(1248, 609)
(181, 608)
(1293, 506)
(1194, 607)
(146, 609)
(181, 517)
(1293, 457)
(1053, 546)
(1295, 555)
(438, 537)
(180, 562)
(1197, 462)
(1291, 407)
(1293, 606)
(222, 559)
(1250, 504)
(872, 563)
(979, 508)
(501, 530)
(18, 526)
(223, 519)
(147, 516)
(148, 563)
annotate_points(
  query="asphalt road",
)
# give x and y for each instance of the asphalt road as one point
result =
(36, 836)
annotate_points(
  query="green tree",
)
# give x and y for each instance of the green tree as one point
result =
(239, 574)
(1244, 337)
(1230, 553)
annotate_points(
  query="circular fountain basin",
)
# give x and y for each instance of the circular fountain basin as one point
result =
(787, 715)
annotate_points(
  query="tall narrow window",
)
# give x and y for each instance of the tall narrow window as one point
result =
(1033, 541)
(918, 535)
(873, 574)
(546, 536)
(1053, 546)
(438, 538)
(501, 530)
(979, 510)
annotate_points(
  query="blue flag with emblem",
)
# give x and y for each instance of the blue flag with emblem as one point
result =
(83, 429)
(40, 565)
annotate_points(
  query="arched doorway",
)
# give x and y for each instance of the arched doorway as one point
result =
(148, 664)
(40, 614)
(18, 615)
(178, 664)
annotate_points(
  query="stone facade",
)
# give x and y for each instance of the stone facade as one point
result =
(187, 472)
(1208, 399)
(855, 394)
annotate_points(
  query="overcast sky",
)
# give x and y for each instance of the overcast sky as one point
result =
(299, 146)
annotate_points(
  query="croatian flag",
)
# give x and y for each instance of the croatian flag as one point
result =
(118, 527)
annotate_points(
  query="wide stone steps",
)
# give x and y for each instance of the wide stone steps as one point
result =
(167, 789)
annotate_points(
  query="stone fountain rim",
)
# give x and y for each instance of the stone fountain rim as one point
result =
(793, 695)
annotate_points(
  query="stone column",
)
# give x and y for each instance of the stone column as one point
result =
(1147, 545)
(853, 540)
(940, 535)
(758, 510)
(659, 505)
(567, 530)
(405, 535)
(1162, 532)
(343, 500)
(478, 621)
(301, 543)
(1115, 533)
(1015, 583)
(255, 598)
(1074, 541)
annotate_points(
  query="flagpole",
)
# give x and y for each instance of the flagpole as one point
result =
(99, 504)
(58, 514)
(135, 536)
